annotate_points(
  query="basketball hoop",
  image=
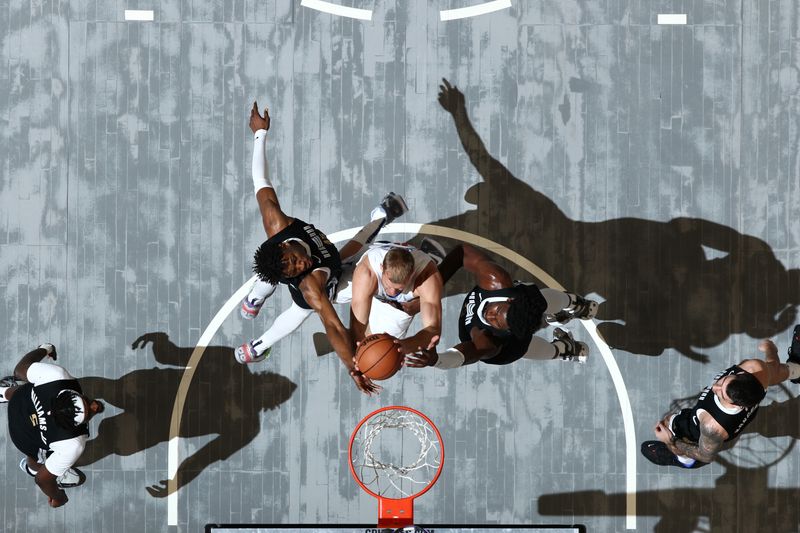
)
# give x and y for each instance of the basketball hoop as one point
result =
(396, 455)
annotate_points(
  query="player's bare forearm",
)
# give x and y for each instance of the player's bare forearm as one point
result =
(694, 451)
(47, 482)
(273, 218)
(34, 356)
(365, 284)
(312, 288)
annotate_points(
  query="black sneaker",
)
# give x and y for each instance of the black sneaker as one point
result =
(657, 452)
(433, 249)
(573, 350)
(392, 206)
(794, 350)
(8, 381)
(580, 308)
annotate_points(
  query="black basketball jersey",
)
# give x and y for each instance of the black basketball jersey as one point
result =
(512, 347)
(685, 425)
(323, 255)
(29, 424)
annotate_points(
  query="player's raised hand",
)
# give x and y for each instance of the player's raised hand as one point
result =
(364, 384)
(450, 98)
(767, 346)
(257, 122)
(424, 357)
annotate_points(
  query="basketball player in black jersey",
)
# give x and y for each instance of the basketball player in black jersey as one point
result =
(48, 419)
(692, 437)
(500, 316)
(300, 256)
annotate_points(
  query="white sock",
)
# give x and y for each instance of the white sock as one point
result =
(261, 290)
(541, 349)
(556, 300)
(287, 322)
(794, 370)
(686, 461)
(364, 236)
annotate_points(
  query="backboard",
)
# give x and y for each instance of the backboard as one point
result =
(364, 528)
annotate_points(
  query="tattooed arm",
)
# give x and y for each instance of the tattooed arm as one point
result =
(712, 436)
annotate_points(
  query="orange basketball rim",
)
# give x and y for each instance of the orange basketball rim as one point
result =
(396, 455)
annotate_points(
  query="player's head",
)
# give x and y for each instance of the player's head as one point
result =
(742, 389)
(70, 408)
(525, 311)
(398, 265)
(273, 261)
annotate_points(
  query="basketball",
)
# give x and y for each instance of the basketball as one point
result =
(378, 357)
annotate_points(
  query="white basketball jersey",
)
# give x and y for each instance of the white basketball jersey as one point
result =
(375, 255)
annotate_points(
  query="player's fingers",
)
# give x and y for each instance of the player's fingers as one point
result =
(446, 83)
(434, 342)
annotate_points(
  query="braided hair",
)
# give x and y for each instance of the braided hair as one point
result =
(525, 312)
(267, 262)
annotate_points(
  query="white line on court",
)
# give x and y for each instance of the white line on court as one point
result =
(139, 14)
(474, 11)
(671, 18)
(424, 229)
(336, 9)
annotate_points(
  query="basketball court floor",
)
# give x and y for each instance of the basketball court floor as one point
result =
(652, 166)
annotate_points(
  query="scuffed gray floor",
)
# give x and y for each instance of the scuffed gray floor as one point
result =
(654, 166)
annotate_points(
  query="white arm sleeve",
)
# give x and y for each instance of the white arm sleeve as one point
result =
(450, 358)
(260, 175)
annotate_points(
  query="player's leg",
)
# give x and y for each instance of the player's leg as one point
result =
(391, 207)
(259, 349)
(253, 302)
(563, 347)
(564, 306)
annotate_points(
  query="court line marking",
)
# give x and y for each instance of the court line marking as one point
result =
(139, 14)
(336, 9)
(672, 18)
(424, 229)
(474, 11)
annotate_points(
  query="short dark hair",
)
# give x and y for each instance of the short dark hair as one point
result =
(525, 312)
(63, 409)
(267, 262)
(745, 390)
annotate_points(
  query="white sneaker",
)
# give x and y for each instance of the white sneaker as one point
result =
(71, 478)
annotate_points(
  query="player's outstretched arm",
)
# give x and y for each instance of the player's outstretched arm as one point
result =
(273, 218)
(465, 353)
(430, 301)
(313, 291)
(365, 285)
(34, 356)
(46, 481)
(770, 371)
(490, 276)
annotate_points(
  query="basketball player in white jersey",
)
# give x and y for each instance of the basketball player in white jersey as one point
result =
(387, 276)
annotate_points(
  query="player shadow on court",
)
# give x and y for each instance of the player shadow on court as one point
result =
(655, 276)
(224, 398)
(718, 509)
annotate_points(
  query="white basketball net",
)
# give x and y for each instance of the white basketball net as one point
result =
(396, 453)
